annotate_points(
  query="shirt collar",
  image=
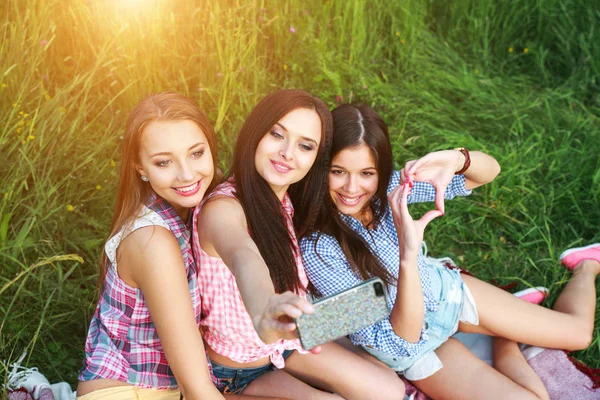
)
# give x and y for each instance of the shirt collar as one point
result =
(287, 205)
(168, 213)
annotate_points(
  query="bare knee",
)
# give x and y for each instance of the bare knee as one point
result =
(394, 388)
(386, 386)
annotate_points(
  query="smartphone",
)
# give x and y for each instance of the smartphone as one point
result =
(343, 313)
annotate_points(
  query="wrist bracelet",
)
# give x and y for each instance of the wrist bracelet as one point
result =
(467, 163)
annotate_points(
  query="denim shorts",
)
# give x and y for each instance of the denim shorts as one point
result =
(455, 304)
(234, 380)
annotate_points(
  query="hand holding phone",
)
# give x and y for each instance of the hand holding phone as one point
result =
(343, 313)
(276, 321)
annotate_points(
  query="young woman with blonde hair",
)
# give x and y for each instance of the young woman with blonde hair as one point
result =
(143, 340)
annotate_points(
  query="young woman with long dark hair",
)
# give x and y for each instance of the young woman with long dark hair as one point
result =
(250, 270)
(364, 229)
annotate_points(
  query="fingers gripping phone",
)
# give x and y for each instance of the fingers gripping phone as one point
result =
(343, 313)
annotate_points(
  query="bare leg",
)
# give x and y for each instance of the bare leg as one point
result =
(569, 327)
(341, 371)
(466, 377)
(509, 360)
(579, 295)
(283, 385)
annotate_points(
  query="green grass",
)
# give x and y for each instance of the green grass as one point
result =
(442, 75)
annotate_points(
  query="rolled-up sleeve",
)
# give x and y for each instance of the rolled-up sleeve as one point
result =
(330, 273)
(425, 192)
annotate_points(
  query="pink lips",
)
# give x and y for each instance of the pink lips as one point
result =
(189, 192)
(280, 167)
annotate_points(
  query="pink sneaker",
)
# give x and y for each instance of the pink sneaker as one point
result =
(533, 295)
(571, 257)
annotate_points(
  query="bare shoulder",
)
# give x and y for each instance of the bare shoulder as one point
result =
(221, 221)
(221, 203)
(146, 248)
(219, 212)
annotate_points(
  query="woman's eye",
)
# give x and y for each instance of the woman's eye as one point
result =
(197, 154)
(336, 171)
(162, 163)
(306, 147)
(276, 134)
(368, 173)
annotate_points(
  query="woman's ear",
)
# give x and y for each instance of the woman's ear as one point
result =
(140, 170)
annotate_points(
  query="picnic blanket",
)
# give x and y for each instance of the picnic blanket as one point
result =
(561, 377)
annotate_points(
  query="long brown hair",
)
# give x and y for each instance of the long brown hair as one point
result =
(353, 126)
(132, 191)
(263, 209)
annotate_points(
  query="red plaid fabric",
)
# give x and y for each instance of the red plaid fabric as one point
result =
(122, 341)
(226, 324)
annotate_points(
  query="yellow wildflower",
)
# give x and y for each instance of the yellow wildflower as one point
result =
(510, 49)
(21, 112)
(403, 41)
(14, 105)
(98, 187)
(4, 85)
(525, 50)
(397, 33)
(25, 115)
(19, 129)
(21, 123)
(113, 163)
(30, 137)
(70, 208)
(503, 239)
(284, 67)
(47, 96)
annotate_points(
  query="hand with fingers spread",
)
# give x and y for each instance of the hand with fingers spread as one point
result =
(410, 232)
(276, 322)
(436, 168)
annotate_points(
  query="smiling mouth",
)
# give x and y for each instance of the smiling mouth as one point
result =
(350, 201)
(188, 190)
(281, 167)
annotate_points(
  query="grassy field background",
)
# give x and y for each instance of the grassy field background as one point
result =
(517, 79)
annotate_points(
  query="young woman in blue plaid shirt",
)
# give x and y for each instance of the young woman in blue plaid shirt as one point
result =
(365, 230)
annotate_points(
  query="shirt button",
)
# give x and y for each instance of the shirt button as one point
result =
(426, 326)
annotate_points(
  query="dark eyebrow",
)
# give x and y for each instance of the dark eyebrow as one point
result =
(340, 167)
(301, 137)
(167, 153)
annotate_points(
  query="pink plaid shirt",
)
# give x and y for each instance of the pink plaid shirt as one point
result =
(226, 324)
(122, 341)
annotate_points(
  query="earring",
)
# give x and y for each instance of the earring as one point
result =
(144, 178)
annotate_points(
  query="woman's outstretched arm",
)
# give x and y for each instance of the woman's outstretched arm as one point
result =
(224, 233)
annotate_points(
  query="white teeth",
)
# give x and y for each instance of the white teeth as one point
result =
(350, 200)
(188, 189)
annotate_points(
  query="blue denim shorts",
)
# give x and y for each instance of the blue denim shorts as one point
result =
(455, 304)
(234, 380)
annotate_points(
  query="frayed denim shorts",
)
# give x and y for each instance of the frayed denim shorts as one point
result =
(235, 380)
(455, 304)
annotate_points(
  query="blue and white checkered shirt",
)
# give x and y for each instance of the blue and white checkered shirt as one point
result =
(330, 272)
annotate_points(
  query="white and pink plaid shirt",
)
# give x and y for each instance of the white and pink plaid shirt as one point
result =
(122, 342)
(226, 325)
